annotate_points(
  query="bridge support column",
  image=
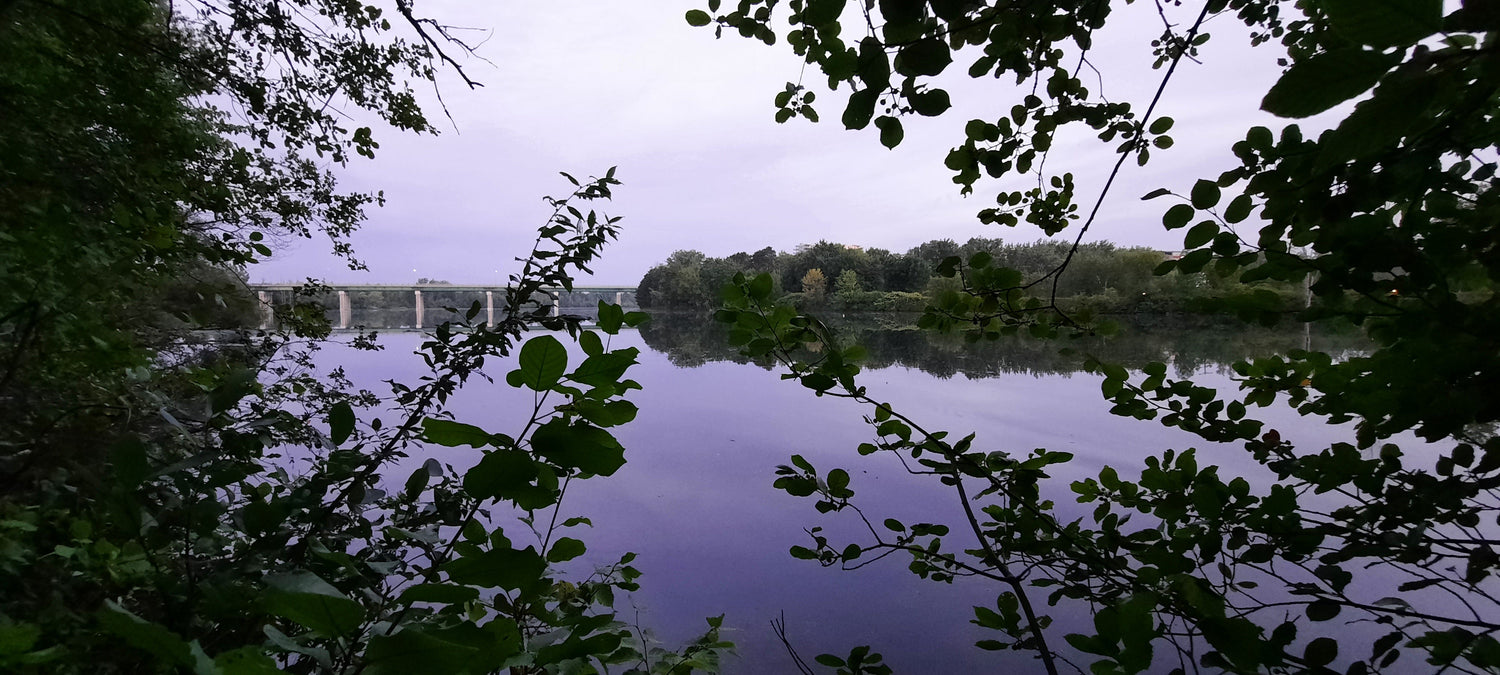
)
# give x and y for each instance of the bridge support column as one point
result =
(267, 314)
(489, 308)
(557, 307)
(619, 297)
(346, 313)
(420, 308)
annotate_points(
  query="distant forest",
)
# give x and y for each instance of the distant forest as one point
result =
(1102, 277)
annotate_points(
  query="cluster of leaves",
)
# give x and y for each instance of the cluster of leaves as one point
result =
(1388, 217)
(176, 501)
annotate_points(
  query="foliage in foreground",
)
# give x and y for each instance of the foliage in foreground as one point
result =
(1390, 215)
(179, 501)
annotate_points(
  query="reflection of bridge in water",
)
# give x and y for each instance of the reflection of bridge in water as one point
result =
(413, 300)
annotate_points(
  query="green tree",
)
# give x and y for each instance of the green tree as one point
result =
(847, 285)
(763, 260)
(1384, 213)
(829, 258)
(814, 285)
(934, 252)
(679, 283)
(908, 273)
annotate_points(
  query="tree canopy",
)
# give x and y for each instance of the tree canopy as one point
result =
(1104, 278)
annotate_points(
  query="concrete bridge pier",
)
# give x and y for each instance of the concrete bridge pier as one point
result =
(420, 308)
(346, 312)
(489, 308)
(267, 313)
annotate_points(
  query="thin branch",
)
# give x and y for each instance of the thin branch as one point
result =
(1114, 172)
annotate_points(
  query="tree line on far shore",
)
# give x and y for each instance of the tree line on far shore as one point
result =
(1101, 277)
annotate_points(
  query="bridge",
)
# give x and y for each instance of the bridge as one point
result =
(349, 298)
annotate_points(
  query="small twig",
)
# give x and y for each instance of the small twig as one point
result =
(778, 626)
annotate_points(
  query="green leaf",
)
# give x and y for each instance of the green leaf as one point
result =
(928, 56)
(796, 486)
(500, 474)
(1177, 216)
(861, 108)
(1398, 107)
(575, 648)
(499, 568)
(931, 103)
(235, 386)
(543, 362)
(415, 651)
(829, 660)
(698, 17)
(581, 445)
(445, 594)
(1325, 80)
(838, 480)
(873, 65)
(246, 661)
(417, 482)
(1087, 644)
(340, 422)
(1384, 23)
(307, 599)
(1161, 125)
(144, 635)
(609, 414)
(761, 287)
(610, 317)
(890, 130)
(1239, 209)
(819, 12)
(591, 343)
(129, 462)
(1205, 194)
(17, 638)
(606, 368)
(453, 434)
(1323, 609)
(1201, 234)
(1321, 652)
(566, 548)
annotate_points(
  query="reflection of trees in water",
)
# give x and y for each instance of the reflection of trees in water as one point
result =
(1191, 344)
(690, 340)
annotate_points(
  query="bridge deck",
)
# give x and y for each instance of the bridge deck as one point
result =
(437, 287)
(557, 297)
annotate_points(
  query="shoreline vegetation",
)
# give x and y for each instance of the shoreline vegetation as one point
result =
(1102, 278)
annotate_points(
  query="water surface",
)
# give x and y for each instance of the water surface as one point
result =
(695, 499)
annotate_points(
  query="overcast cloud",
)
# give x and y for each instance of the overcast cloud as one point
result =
(581, 86)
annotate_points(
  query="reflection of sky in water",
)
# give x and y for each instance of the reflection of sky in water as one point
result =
(695, 499)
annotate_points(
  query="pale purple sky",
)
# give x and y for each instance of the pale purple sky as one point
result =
(581, 86)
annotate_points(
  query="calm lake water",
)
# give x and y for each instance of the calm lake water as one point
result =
(695, 499)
